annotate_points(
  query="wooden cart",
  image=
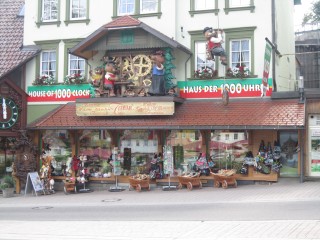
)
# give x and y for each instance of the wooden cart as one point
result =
(225, 178)
(189, 181)
(69, 186)
(138, 183)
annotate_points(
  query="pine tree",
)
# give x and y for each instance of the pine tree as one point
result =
(168, 69)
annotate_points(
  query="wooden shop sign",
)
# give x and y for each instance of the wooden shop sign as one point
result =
(125, 109)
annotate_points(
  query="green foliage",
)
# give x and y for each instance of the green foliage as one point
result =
(314, 15)
(7, 182)
(168, 68)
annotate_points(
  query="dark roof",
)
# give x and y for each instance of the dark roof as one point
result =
(191, 114)
(11, 37)
(124, 22)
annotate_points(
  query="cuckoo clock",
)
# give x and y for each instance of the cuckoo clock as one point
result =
(13, 109)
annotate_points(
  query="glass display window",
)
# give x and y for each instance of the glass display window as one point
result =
(57, 143)
(228, 147)
(7, 155)
(186, 146)
(289, 154)
(138, 148)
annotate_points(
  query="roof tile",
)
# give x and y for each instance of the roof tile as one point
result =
(191, 114)
(11, 36)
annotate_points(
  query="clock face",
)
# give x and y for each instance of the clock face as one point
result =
(8, 113)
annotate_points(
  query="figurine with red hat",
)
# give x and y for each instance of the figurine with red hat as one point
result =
(214, 44)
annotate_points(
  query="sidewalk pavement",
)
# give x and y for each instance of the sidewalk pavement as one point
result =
(283, 190)
(286, 189)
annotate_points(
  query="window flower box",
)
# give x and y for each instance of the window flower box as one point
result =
(44, 80)
(74, 79)
(205, 73)
(238, 72)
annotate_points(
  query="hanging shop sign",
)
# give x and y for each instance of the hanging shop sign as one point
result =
(125, 109)
(266, 68)
(59, 93)
(238, 88)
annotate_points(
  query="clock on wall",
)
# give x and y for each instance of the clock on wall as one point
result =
(9, 113)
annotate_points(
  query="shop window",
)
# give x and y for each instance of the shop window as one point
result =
(226, 151)
(95, 144)
(57, 143)
(141, 152)
(203, 6)
(7, 155)
(137, 7)
(289, 153)
(48, 12)
(186, 146)
(77, 11)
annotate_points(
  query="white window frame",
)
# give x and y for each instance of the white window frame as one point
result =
(79, 62)
(80, 10)
(48, 72)
(239, 3)
(52, 4)
(240, 61)
(227, 136)
(151, 6)
(203, 5)
(200, 50)
(126, 3)
(235, 136)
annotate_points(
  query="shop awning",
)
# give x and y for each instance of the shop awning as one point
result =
(191, 114)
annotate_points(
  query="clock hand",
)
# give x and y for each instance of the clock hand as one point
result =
(4, 108)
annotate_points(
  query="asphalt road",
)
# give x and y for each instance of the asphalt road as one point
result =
(261, 211)
(281, 211)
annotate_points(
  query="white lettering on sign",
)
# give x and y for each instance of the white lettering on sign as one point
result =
(233, 88)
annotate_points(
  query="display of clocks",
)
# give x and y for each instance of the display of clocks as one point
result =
(9, 113)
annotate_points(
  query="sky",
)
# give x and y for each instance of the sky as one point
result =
(300, 10)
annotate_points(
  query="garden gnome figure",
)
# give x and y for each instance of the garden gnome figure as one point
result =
(157, 87)
(214, 45)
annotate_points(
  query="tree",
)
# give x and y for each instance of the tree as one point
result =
(314, 15)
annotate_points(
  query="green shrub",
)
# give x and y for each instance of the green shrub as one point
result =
(7, 182)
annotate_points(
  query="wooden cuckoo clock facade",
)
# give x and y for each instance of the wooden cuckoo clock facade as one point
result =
(13, 109)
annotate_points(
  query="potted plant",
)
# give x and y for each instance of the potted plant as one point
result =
(7, 186)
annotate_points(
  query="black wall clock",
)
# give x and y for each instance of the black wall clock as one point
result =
(8, 113)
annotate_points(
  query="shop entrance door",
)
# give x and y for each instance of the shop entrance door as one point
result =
(314, 145)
